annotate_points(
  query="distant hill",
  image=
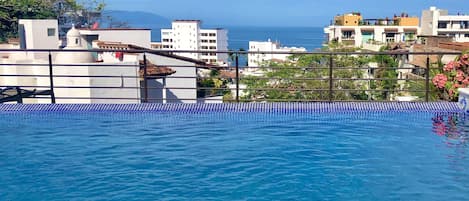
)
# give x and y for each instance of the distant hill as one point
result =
(135, 19)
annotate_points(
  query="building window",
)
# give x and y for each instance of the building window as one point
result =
(212, 34)
(165, 40)
(442, 25)
(213, 54)
(204, 54)
(204, 34)
(204, 41)
(464, 24)
(348, 35)
(213, 41)
(466, 35)
(213, 61)
(50, 32)
(204, 47)
(213, 47)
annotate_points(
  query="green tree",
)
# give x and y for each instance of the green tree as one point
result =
(386, 75)
(13, 10)
(305, 77)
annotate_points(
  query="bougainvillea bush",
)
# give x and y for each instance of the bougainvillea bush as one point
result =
(455, 75)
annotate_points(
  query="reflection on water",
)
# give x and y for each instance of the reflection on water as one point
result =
(452, 126)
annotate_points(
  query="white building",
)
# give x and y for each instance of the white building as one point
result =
(76, 88)
(256, 59)
(437, 22)
(188, 35)
(78, 73)
(171, 78)
(38, 34)
(353, 30)
(138, 37)
(75, 73)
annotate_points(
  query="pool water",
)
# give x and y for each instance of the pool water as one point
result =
(233, 156)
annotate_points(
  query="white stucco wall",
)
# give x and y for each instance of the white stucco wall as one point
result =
(94, 69)
(173, 82)
(138, 37)
(37, 36)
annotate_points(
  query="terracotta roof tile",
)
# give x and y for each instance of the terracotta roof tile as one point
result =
(154, 70)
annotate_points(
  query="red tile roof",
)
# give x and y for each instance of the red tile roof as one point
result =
(154, 70)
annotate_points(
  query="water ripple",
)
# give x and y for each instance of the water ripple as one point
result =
(240, 156)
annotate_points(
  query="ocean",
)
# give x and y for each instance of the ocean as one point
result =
(310, 38)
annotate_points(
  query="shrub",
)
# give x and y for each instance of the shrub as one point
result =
(455, 75)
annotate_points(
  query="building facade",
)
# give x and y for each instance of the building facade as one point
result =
(353, 30)
(282, 53)
(134, 36)
(437, 22)
(188, 35)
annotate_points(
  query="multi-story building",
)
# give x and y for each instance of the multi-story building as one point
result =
(437, 22)
(282, 53)
(353, 30)
(188, 35)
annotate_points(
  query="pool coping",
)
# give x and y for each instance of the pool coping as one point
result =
(242, 107)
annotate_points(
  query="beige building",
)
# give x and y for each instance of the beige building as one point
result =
(353, 30)
(438, 22)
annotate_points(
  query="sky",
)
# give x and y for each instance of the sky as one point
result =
(307, 13)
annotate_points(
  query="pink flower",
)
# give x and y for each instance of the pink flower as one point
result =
(440, 81)
(451, 92)
(450, 66)
(459, 76)
(465, 59)
(466, 81)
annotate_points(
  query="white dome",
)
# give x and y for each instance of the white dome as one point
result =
(73, 32)
(74, 43)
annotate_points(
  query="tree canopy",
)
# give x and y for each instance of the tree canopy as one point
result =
(13, 10)
(305, 77)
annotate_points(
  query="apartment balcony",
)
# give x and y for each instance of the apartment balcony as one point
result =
(390, 40)
(453, 30)
(348, 38)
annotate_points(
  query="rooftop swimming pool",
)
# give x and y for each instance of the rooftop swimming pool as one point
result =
(317, 151)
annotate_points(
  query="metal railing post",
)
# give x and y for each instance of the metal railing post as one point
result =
(51, 79)
(19, 97)
(237, 77)
(145, 83)
(427, 80)
(331, 83)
